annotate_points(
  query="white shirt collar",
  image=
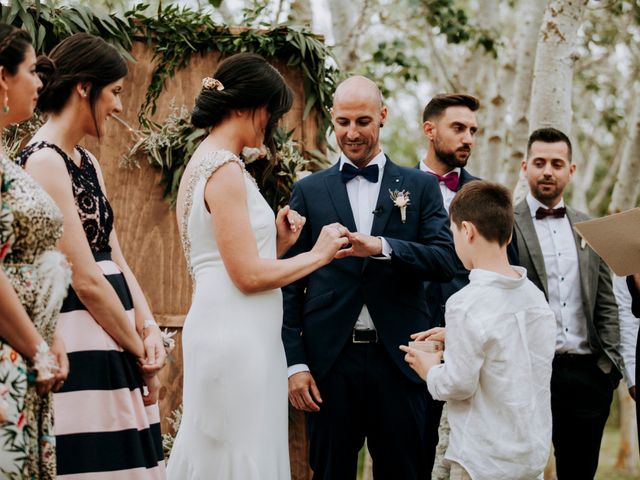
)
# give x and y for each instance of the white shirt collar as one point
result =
(425, 168)
(534, 204)
(380, 159)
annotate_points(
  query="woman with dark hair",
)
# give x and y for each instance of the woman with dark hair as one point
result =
(33, 282)
(104, 420)
(234, 424)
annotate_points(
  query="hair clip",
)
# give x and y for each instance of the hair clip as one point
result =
(209, 83)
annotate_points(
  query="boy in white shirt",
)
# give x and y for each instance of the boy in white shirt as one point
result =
(499, 347)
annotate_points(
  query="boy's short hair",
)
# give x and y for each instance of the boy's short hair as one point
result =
(438, 104)
(488, 206)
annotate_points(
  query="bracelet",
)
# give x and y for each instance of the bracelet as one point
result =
(149, 322)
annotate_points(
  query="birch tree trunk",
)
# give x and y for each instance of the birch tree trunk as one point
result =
(300, 13)
(483, 82)
(587, 166)
(531, 12)
(627, 461)
(625, 191)
(495, 132)
(553, 70)
(343, 15)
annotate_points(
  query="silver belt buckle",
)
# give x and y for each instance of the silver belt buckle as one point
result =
(353, 337)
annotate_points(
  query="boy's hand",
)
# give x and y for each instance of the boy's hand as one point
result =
(436, 334)
(421, 362)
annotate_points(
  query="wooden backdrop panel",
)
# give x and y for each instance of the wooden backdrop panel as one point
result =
(146, 223)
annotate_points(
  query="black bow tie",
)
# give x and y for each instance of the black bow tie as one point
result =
(349, 172)
(550, 212)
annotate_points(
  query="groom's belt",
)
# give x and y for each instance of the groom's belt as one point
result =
(364, 336)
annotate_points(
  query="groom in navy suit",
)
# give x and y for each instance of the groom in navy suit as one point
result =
(343, 323)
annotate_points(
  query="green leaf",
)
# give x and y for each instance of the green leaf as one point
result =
(42, 33)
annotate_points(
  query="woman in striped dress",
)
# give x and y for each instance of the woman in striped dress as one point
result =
(106, 415)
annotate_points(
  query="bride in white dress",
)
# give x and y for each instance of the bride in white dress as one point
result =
(234, 424)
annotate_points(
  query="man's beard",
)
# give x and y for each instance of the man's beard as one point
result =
(548, 194)
(449, 158)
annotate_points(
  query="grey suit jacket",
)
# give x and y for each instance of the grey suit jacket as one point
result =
(598, 301)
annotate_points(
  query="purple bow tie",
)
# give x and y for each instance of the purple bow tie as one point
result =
(450, 180)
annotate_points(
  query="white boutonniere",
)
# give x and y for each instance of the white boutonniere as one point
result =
(401, 200)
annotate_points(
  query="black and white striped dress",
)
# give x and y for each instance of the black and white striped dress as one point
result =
(103, 430)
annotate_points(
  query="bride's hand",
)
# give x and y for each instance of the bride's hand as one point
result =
(331, 239)
(289, 224)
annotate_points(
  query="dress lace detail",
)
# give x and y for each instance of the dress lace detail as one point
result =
(207, 166)
(94, 209)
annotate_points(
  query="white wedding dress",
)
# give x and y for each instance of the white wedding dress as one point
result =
(235, 424)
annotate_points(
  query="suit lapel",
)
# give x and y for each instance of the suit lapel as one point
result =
(530, 239)
(391, 180)
(583, 257)
(465, 177)
(339, 198)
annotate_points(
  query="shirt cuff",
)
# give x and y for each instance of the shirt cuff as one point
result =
(386, 251)
(297, 368)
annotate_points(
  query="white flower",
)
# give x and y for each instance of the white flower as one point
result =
(250, 154)
(209, 83)
(401, 200)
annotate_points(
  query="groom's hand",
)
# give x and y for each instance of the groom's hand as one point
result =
(303, 392)
(361, 246)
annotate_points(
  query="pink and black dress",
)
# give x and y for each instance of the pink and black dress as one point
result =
(103, 430)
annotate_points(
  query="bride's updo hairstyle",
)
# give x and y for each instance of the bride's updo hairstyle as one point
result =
(80, 58)
(13, 47)
(245, 81)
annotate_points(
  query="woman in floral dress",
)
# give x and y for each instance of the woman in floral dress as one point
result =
(33, 280)
(107, 425)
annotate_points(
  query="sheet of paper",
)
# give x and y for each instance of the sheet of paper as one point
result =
(616, 238)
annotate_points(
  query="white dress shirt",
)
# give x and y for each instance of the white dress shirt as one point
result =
(628, 329)
(496, 375)
(560, 254)
(447, 195)
(363, 198)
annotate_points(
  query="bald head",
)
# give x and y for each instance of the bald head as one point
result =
(360, 88)
(357, 115)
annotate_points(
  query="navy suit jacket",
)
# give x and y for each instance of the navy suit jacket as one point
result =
(438, 293)
(321, 309)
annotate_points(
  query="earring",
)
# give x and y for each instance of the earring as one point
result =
(5, 104)
(83, 93)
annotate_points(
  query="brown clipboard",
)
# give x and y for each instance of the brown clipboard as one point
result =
(616, 238)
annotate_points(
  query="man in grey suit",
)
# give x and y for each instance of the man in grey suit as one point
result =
(577, 284)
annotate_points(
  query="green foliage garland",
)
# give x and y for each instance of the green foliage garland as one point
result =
(167, 145)
(176, 34)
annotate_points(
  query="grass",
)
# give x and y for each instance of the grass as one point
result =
(606, 465)
(608, 455)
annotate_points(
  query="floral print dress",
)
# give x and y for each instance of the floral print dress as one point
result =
(30, 226)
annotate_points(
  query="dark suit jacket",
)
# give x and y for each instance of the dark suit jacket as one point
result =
(321, 309)
(438, 293)
(599, 303)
